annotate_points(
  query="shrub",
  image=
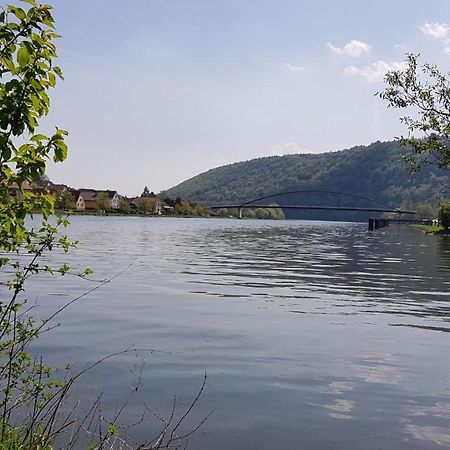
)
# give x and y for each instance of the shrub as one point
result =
(444, 215)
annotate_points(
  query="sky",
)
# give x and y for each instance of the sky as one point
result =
(157, 91)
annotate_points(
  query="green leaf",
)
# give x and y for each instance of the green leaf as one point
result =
(58, 72)
(6, 153)
(12, 26)
(51, 79)
(39, 138)
(60, 151)
(18, 12)
(23, 57)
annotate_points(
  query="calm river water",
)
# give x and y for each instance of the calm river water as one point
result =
(313, 335)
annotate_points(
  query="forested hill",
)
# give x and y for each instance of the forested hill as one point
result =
(375, 171)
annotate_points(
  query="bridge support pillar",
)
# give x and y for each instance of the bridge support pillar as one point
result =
(375, 224)
(240, 213)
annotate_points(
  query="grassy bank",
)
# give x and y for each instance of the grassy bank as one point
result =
(432, 229)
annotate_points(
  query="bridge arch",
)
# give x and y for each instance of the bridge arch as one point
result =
(379, 208)
(346, 194)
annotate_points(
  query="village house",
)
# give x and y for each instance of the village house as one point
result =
(114, 199)
(151, 205)
(47, 186)
(86, 199)
(56, 189)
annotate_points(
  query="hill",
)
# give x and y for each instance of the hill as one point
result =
(375, 171)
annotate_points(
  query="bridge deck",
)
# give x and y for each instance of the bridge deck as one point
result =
(322, 208)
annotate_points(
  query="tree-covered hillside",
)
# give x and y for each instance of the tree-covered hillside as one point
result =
(375, 171)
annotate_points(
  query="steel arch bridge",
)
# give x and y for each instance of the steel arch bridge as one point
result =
(379, 208)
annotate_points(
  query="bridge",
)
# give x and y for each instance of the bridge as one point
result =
(252, 204)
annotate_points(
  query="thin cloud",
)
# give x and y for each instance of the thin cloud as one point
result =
(374, 72)
(352, 70)
(439, 31)
(436, 30)
(293, 68)
(354, 49)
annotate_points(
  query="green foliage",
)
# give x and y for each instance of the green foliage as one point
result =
(431, 229)
(426, 211)
(186, 208)
(28, 388)
(12, 440)
(426, 91)
(252, 213)
(144, 205)
(103, 201)
(27, 72)
(65, 200)
(264, 213)
(444, 215)
(124, 205)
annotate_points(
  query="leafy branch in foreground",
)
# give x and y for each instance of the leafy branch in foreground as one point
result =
(29, 389)
(425, 90)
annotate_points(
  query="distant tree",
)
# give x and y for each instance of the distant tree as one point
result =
(169, 201)
(146, 192)
(103, 201)
(124, 205)
(262, 213)
(269, 213)
(276, 213)
(186, 208)
(183, 208)
(425, 91)
(444, 215)
(425, 211)
(200, 210)
(65, 200)
(144, 205)
(249, 213)
(223, 212)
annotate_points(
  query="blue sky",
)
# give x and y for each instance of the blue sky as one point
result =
(157, 91)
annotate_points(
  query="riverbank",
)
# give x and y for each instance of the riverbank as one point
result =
(432, 229)
(149, 215)
(125, 214)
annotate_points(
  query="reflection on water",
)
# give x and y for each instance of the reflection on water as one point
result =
(313, 335)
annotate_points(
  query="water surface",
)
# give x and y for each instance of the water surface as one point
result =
(313, 335)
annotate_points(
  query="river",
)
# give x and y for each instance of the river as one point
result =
(312, 335)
